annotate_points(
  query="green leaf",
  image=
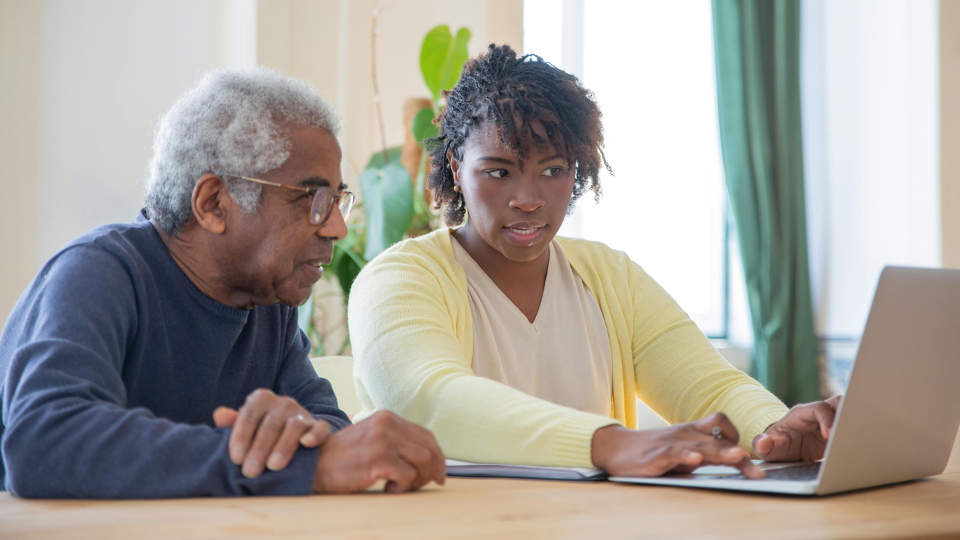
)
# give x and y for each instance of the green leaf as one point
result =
(423, 127)
(442, 57)
(347, 265)
(305, 315)
(376, 160)
(387, 206)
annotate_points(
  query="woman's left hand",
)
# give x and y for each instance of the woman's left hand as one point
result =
(801, 435)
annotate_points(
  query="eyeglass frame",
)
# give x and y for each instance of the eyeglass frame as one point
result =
(313, 191)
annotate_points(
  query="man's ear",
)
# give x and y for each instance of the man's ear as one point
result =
(210, 203)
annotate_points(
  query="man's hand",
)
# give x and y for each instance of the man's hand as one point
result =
(382, 447)
(267, 430)
(680, 448)
(801, 435)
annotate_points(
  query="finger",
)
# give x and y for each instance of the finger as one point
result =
(244, 428)
(421, 459)
(316, 435)
(762, 445)
(672, 458)
(779, 447)
(224, 417)
(288, 442)
(750, 469)
(402, 431)
(824, 414)
(399, 474)
(424, 438)
(834, 402)
(268, 432)
(727, 430)
(719, 452)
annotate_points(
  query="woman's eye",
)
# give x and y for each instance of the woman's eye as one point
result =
(553, 171)
(498, 173)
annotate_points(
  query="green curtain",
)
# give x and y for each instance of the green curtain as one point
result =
(757, 53)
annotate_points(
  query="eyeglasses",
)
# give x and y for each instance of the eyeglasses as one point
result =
(324, 198)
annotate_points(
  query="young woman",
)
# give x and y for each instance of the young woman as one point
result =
(514, 346)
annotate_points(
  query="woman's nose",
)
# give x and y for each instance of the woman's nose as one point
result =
(527, 197)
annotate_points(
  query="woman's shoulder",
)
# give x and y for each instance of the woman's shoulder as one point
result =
(591, 253)
(433, 247)
(428, 254)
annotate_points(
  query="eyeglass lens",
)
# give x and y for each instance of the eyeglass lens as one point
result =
(323, 203)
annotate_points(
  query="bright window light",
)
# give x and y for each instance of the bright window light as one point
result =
(650, 65)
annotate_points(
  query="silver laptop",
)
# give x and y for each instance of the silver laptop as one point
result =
(899, 417)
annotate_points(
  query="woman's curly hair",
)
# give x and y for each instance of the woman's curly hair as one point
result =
(514, 92)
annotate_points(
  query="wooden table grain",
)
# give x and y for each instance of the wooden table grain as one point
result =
(502, 509)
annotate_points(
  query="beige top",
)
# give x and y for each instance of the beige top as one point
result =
(562, 357)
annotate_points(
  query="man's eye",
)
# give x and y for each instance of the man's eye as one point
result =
(553, 171)
(498, 173)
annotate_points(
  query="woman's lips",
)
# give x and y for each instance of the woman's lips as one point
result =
(524, 236)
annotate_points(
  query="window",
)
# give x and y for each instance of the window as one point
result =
(651, 67)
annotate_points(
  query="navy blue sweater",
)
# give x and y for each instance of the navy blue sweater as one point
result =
(113, 363)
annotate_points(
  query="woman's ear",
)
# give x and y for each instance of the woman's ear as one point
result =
(454, 165)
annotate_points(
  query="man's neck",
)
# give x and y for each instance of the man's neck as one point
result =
(192, 255)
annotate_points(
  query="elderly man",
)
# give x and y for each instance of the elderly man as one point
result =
(162, 358)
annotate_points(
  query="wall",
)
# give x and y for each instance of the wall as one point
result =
(86, 80)
(949, 143)
(19, 145)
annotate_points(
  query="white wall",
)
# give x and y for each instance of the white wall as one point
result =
(871, 148)
(109, 69)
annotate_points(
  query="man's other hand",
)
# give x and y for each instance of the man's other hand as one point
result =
(267, 430)
(382, 447)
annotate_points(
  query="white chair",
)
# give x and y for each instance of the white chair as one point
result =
(339, 371)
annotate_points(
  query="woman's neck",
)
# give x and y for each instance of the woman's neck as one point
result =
(521, 281)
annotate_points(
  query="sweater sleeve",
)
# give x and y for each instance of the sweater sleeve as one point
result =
(68, 432)
(681, 376)
(300, 381)
(405, 317)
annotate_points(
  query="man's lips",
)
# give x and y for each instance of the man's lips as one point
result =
(315, 266)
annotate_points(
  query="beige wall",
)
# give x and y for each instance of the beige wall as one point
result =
(950, 131)
(950, 143)
(19, 146)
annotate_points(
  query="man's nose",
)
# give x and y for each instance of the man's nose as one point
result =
(334, 226)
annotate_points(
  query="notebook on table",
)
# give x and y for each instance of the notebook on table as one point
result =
(492, 470)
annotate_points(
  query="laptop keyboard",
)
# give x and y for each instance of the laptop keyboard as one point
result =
(796, 473)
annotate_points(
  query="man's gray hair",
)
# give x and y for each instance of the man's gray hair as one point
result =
(231, 123)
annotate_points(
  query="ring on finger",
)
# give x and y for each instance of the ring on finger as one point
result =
(717, 433)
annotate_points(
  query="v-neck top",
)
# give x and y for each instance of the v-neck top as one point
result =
(563, 356)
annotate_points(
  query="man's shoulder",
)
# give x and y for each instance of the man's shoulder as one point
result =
(106, 257)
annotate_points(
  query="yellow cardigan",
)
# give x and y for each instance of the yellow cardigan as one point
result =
(412, 337)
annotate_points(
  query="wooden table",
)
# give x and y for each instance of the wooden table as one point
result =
(508, 509)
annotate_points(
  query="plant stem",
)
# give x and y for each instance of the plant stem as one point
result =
(376, 87)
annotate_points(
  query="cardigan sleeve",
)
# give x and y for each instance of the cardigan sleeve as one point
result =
(679, 373)
(407, 322)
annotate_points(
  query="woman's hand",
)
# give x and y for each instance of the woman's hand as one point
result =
(801, 435)
(680, 448)
(267, 430)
